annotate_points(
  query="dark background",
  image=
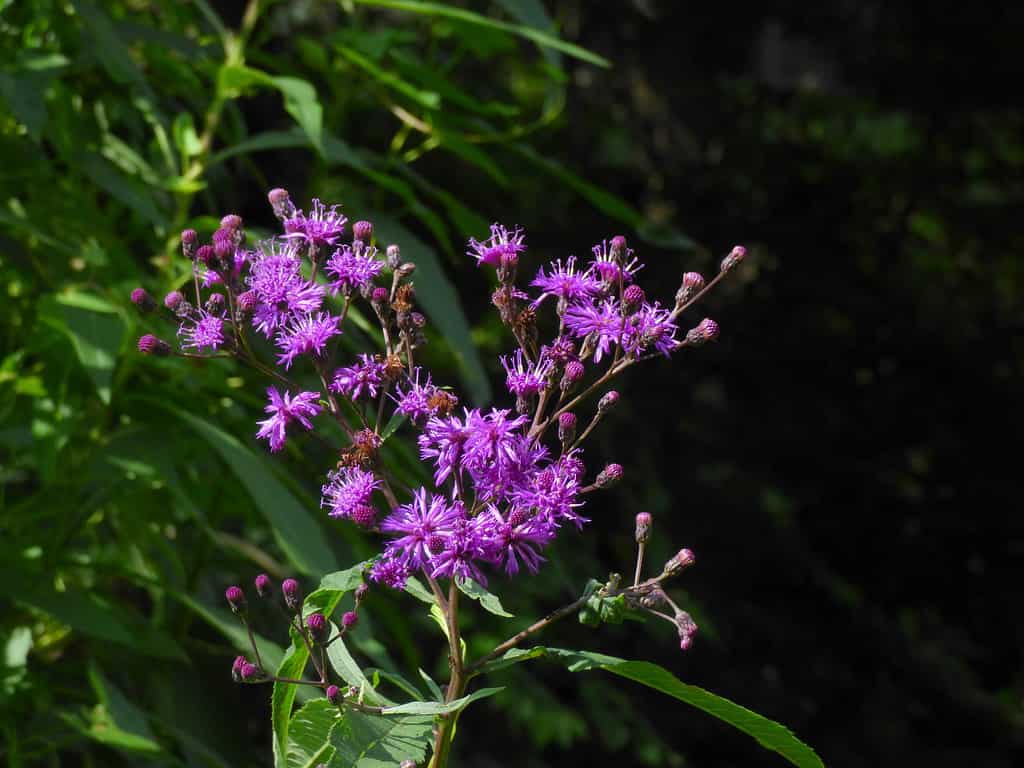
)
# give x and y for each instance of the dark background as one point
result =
(842, 461)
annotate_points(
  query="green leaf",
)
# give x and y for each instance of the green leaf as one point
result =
(488, 601)
(345, 666)
(332, 588)
(117, 722)
(300, 99)
(262, 142)
(441, 302)
(768, 733)
(427, 99)
(440, 708)
(537, 36)
(283, 697)
(95, 330)
(295, 529)
(371, 741)
(107, 45)
(310, 732)
(415, 588)
(604, 610)
(435, 689)
(396, 680)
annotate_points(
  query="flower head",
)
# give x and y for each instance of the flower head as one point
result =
(566, 282)
(502, 248)
(322, 226)
(364, 377)
(347, 489)
(611, 262)
(602, 321)
(524, 378)
(352, 269)
(415, 524)
(306, 335)
(202, 331)
(285, 410)
(280, 290)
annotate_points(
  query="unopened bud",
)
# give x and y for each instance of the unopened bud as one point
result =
(684, 558)
(632, 298)
(206, 254)
(643, 527)
(693, 283)
(567, 428)
(380, 297)
(361, 592)
(608, 401)
(394, 256)
(574, 371)
(736, 255)
(248, 300)
(151, 345)
(687, 629)
(173, 300)
(143, 301)
(318, 626)
(618, 247)
(349, 619)
(281, 203)
(236, 599)
(705, 331)
(263, 585)
(189, 241)
(249, 673)
(333, 694)
(292, 594)
(518, 516)
(215, 304)
(609, 476)
(231, 221)
(364, 515)
(236, 668)
(362, 230)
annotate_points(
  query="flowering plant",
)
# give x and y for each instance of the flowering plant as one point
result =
(506, 481)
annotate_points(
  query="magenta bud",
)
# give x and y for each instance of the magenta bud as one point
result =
(143, 301)
(249, 672)
(231, 221)
(609, 476)
(684, 558)
(281, 203)
(215, 304)
(223, 249)
(236, 599)
(318, 627)
(362, 230)
(435, 543)
(263, 585)
(708, 328)
(643, 527)
(333, 694)
(248, 300)
(292, 594)
(151, 345)
(608, 401)
(364, 515)
(687, 629)
(518, 516)
(619, 246)
(189, 240)
(394, 256)
(574, 371)
(379, 296)
(236, 668)
(361, 592)
(206, 254)
(633, 297)
(733, 259)
(567, 427)
(173, 300)
(349, 619)
(693, 283)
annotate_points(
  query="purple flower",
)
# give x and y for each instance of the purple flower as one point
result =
(608, 267)
(306, 335)
(650, 326)
(517, 539)
(322, 226)
(524, 378)
(285, 410)
(416, 526)
(367, 374)
(209, 277)
(502, 248)
(281, 290)
(352, 269)
(492, 437)
(390, 573)
(565, 282)
(554, 491)
(202, 331)
(441, 442)
(464, 547)
(347, 489)
(603, 321)
(413, 398)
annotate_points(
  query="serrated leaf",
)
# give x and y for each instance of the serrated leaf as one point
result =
(347, 669)
(309, 732)
(435, 689)
(487, 600)
(440, 708)
(371, 741)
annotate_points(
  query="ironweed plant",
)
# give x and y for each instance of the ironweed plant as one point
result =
(506, 481)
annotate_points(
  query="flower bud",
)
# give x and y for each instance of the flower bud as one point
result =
(236, 599)
(693, 283)
(361, 592)
(292, 594)
(247, 301)
(684, 558)
(189, 241)
(643, 527)
(404, 270)
(567, 428)
(632, 298)
(609, 476)
(215, 304)
(608, 401)
(394, 256)
(205, 254)
(435, 543)
(231, 221)
(687, 629)
(362, 230)
(281, 203)
(333, 694)
(518, 516)
(264, 587)
(364, 515)
(318, 626)
(143, 301)
(223, 248)
(173, 300)
(736, 255)
(705, 331)
(151, 345)
(619, 247)
(574, 371)
(236, 668)
(249, 673)
(349, 619)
